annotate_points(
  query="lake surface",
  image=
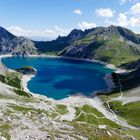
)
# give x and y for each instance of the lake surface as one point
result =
(58, 77)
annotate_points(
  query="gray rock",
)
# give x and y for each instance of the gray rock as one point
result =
(15, 45)
(3, 69)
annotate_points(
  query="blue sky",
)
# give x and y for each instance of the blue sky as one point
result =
(46, 19)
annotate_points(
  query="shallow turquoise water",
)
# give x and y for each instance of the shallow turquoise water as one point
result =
(58, 78)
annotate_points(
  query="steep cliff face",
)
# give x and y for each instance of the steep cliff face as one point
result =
(24, 46)
(12, 44)
(6, 41)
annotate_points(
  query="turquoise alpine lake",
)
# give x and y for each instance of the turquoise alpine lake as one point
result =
(59, 78)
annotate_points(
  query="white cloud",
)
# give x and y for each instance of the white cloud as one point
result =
(18, 31)
(135, 9)
(105, 12)
(45, 34)
(122, 2)
(78, 12)
(85, 25)
(135, 22)
(122, 20)
(126, 21)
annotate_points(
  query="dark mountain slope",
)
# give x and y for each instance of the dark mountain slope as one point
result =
(128, 80)
(129, 35)
(132, 65)
(59, 44)
(5, 34)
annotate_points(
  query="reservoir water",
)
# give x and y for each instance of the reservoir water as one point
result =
(58, 77)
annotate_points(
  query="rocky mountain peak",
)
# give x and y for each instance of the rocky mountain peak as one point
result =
(10, 43)
(5, 34)
(75, 34)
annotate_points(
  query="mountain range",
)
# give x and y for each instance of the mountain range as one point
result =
(110, 115)
(113, 44)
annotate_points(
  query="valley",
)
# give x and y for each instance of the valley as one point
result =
(112, 115)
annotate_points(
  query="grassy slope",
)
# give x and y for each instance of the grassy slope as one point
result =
(88, 117)
(94, 133)
(13, 79)
(110, 48)
(130, 111)
(116, 52)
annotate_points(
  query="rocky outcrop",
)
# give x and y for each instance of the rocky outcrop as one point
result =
(15, 45)
(27, 70)
(76, 51)
(3, 69)
(24, 46)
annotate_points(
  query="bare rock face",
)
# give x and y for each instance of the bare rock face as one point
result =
(23, 47)
(3, 69)
(12, 44)
(76, 51)
(6, 43)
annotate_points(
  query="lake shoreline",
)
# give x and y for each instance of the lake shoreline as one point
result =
(108, 78)
(25, 78)
(111, 66)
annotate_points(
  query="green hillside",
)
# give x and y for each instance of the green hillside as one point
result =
(115, 45)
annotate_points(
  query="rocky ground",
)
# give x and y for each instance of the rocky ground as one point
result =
(25, 116)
